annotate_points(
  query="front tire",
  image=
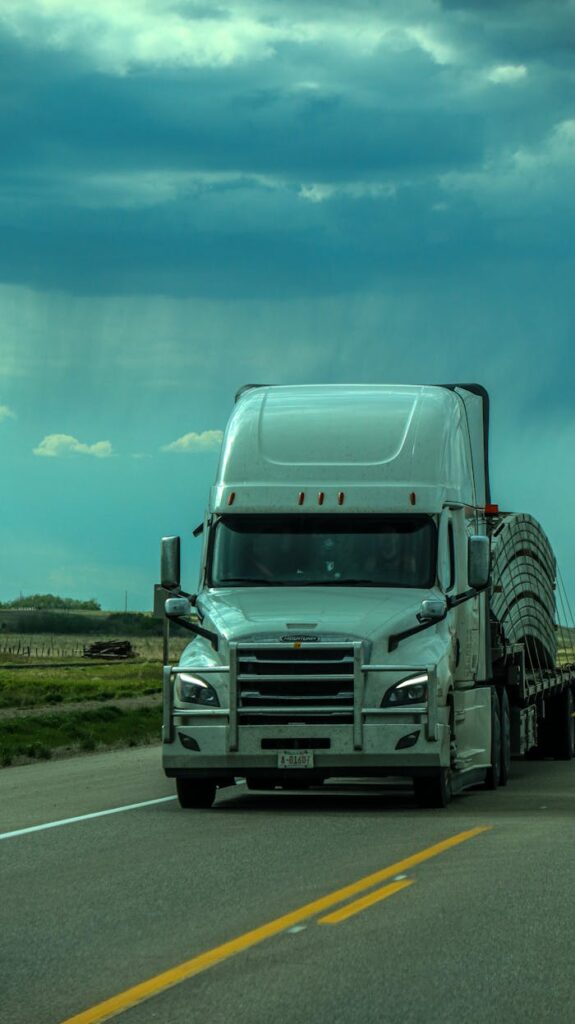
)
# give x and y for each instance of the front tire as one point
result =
(562, 726)
(195, 793)
(435, 790)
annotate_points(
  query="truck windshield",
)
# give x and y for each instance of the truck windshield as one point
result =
(297, 550)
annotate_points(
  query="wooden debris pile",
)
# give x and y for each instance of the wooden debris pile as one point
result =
(111, 650)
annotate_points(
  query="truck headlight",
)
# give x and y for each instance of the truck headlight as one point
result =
(412, 690)
(192, 690)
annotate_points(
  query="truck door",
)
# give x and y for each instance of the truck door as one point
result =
(471, 705)
(463, 619)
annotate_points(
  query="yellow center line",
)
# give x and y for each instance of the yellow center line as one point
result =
(366, 901)
(167, 979)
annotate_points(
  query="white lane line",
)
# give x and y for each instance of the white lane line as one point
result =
(84, 817)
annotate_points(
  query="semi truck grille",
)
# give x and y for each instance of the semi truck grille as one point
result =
(307, 680)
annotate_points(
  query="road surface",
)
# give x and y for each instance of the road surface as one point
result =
(334, 906)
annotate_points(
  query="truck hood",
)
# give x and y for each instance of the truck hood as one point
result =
(363, 613)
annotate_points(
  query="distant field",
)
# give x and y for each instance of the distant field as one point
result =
(42, 646)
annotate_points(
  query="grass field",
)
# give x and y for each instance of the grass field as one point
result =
(35, 737)
(53, 684)
(43, 677)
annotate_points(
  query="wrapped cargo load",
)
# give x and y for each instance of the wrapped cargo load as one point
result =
(523, 588)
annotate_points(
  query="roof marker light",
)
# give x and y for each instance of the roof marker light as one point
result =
(340, 498)
(412, 498)
(231, 497)
(301, 498)
(320, 498)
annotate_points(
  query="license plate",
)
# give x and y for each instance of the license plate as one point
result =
(295, 758)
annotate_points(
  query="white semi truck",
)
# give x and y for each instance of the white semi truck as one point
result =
(363, 609)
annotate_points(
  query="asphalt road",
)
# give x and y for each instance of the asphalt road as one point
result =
(477, 928)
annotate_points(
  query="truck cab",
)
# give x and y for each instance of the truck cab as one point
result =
(341, 619)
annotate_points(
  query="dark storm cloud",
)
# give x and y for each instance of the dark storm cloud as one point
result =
(528, 29)
(339, 245)
(203, 121)
(438, 140)
(282, 190)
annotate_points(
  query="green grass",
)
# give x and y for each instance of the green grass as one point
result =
(50, 684)
(37, 737)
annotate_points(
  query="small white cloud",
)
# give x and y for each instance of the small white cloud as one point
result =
(58, 445)
(506, 74)
(319, 193)
(208, 441)
(6, 413)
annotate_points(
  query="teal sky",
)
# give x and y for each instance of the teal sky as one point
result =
(195, 196)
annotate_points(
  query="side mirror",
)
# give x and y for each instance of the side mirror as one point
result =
(478, 562)
(177, 607)
(170, 563)
(432, 611)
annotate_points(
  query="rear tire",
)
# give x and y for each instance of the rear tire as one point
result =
(562, 726)
(196, 793)
(493, 777)
(434, 791)
(505, 739)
